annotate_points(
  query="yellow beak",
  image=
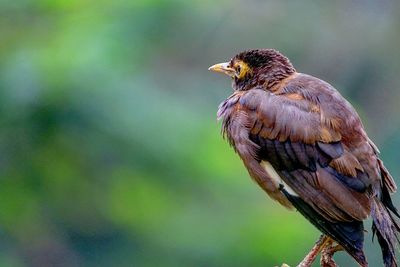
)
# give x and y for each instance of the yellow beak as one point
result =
(223, 68)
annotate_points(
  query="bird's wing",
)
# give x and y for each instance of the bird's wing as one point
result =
(304, 144)
(303, 147)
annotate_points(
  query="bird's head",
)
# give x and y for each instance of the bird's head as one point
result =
(258, 68)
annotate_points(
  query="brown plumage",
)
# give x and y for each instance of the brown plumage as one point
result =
(305, 145)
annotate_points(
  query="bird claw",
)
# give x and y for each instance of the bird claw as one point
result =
(327, 255)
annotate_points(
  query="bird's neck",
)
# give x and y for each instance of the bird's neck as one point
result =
(276, 85)
(273, 79)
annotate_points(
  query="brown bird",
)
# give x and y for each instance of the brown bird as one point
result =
(305, 145)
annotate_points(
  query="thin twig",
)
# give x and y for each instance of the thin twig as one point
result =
(310, 258)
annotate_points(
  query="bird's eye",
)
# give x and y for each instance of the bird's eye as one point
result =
(238, 69)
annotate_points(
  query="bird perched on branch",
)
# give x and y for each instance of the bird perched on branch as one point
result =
(305, 145)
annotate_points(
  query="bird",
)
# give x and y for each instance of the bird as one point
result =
(305, 145)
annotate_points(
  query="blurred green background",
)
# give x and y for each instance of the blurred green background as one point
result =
(110, 152)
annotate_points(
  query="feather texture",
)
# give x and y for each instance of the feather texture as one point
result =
(316, 143)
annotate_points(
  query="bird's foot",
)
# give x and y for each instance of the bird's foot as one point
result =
(327, 254)
(310, 258)
(326, 247)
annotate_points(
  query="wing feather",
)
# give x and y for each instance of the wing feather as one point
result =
(306, 151)
(318, 150)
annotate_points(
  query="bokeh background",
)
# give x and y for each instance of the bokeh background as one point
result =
(110, 152)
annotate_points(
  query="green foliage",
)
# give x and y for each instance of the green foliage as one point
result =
(109, 147)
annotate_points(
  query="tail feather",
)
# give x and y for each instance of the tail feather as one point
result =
(386, 230)
(388, 180)
(384, 226)
(350, 235)
(387, 200)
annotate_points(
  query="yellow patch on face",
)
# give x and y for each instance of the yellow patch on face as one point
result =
(242, 69)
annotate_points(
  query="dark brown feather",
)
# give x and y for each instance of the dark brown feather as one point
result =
(315, 141)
